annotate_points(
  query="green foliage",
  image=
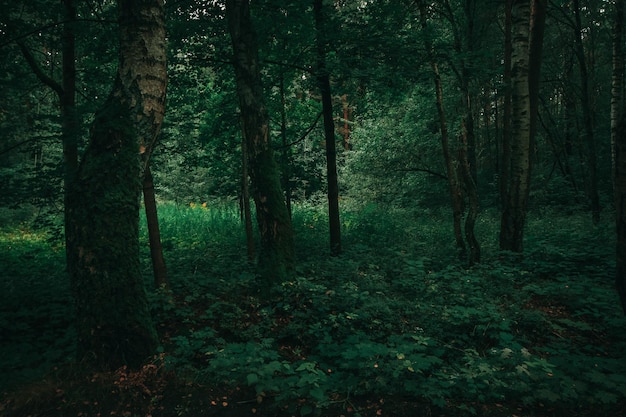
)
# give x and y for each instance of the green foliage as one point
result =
(396, 151)
(36, 315)
(388, 319)
(391, 318)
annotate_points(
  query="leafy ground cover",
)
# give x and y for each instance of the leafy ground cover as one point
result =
(396, 326)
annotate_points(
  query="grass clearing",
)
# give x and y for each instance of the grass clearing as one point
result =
(397, 325)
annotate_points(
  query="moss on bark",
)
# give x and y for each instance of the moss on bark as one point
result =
(113, 320)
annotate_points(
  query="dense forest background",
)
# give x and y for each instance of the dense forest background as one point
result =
(317, 207)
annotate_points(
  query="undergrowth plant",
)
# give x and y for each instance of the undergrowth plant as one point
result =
(36, 314)
(396, 318)
(386, 319)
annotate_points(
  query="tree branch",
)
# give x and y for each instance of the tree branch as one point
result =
(293, 66)
(50, 26)
(428, 171)
(45, 79)
(24, 142)
(304, 135)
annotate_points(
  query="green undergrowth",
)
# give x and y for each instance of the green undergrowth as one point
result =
(396, 325)
(36, 331)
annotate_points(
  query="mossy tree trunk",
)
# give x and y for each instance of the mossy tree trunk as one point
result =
(113, 321)
(276, 257)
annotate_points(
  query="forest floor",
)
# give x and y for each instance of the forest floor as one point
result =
(395, 326)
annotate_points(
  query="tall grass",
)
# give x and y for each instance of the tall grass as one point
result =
(198, 224)
(216, 228)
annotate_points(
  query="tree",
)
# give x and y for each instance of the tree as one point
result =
(454, 187)
(113, 321)
(514, 212)
(620, 209)
(587, 113)
(66, 92)
(276, 256)
(617, 75)
(618, 137)
(159, 268)
(505, 154)
(323, 80)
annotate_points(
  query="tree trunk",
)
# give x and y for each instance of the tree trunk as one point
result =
(617, 77)
(587, 116)
(69, 118)
(467, 150)
(620, 209)
(569, 110)
(286, 162)
(469, 138)
(276, 257)
(535, 48)
(159, 269)
(66, 91)
(505, 157)
(454, 188)
(113, 321)
(618, 138)
(323, 80)
(245, 201)
(472, 212)
(68, 98)
(514, 213)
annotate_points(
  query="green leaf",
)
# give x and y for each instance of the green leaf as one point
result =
(253, 379)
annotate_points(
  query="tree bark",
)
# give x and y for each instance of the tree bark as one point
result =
(514, 213)
(159, 268)
(113, 321)
(276, 257)
(323, 81)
